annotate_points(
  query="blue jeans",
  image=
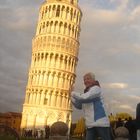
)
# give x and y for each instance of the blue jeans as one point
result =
(93, 133)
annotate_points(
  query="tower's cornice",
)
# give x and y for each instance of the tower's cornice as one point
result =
(62, 2)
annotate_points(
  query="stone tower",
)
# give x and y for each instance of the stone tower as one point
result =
(55, 49)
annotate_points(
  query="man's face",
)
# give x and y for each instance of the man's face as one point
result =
(88, 81)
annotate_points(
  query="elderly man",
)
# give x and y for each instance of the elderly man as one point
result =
(91, 101)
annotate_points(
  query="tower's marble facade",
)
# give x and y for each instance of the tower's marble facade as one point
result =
(54, 58)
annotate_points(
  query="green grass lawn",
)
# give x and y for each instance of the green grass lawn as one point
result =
(4, 137)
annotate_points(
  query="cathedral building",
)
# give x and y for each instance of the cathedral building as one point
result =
(55, 49)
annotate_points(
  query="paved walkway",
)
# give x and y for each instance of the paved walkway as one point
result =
(76, 139)
(72, 139)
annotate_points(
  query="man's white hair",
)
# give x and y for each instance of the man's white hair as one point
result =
(91, 74)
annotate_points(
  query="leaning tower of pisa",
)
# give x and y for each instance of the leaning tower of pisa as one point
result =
(55, 49)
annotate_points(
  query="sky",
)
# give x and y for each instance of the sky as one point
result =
(109, 47)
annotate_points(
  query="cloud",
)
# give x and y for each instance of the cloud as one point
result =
(21, 19)
(123, 5)
(135, 13)
(135, 97)
(118, 85)
(16, 19)
(134, 20)
(127, 109)
(106, 17)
